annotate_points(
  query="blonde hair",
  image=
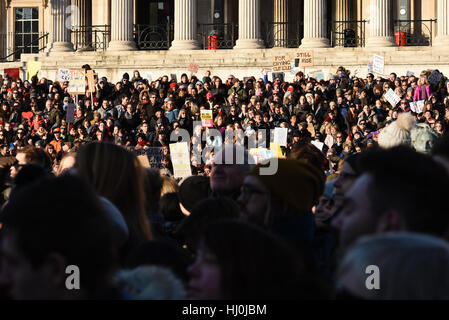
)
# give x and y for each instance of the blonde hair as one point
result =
(63, 161)
(169, 185)
(116, 174)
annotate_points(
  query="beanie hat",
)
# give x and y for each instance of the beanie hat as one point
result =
(423, 137)
(126, 76)
(299, 183)
(398, 132)
(192, 190)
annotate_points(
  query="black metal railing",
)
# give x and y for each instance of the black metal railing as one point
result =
(348, 34)
(91, 38)
(217, 36)
(11, 53)
(154, 37)
(413, 32)
(282, 34)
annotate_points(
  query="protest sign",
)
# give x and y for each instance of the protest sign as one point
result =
(277, 150)
(207, 118)
(33, 68)
(435, 77)
(149, 76)
(13, 73)
(417, 106)
(304, 58)
(193, 67)
(261, 154)
(180, 158)
(318, 144)
(410, 73)
(378, 64)
(392, 97)
(280, 136)
(91, 80)
(281, 63)
(70, 117)
(155, 156)
(370, 67)
(63, 75)
(77, 84)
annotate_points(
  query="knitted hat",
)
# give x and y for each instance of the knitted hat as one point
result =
(398, 132)
(299, 183)
(423, 137)
(192, 190)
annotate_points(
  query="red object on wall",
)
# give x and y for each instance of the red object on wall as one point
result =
(401, 38)
(13, 73)
(213, 42)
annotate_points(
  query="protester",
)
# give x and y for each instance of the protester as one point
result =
(40, 241)
(411, 266)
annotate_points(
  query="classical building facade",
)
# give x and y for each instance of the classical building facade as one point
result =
(164, 37)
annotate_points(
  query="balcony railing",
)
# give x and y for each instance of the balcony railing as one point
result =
(12, 53)
(217, 36)
(91, 38)
(282, 34)
(347, 33)
(154, 37)
(414, 32)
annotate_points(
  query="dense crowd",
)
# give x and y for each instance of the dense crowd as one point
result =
(360, 182)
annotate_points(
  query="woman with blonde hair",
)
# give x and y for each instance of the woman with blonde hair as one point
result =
(116, 174)
(423, 90)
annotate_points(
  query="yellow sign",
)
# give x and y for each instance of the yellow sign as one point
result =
(33, 68)
(304, 58)
(276, 148)
(282, 63)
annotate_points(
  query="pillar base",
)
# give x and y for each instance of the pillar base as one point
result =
(380, 42)
(441, 41)
(314, 43)
(249, 44)
(61, 47)
(184, 45)
(122, 46)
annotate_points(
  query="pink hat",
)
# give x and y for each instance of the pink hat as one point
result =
(209, 95)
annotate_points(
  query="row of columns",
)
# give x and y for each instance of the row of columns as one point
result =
(315, 30)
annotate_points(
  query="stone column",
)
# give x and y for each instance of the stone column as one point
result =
(315, 33)
(61, 25)
(122, 26)
(280, 30)
(80, 20)
(185, 25)
(342, 13)
(442, 38)
(249, 25)
(380, 24)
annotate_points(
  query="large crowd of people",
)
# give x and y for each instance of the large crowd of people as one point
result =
(360, 182)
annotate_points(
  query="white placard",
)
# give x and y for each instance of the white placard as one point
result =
(280, 136)
(378, 64)
(392, 97)
(180, 157)
(417, 106)
(318, 144)
(63, 75)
